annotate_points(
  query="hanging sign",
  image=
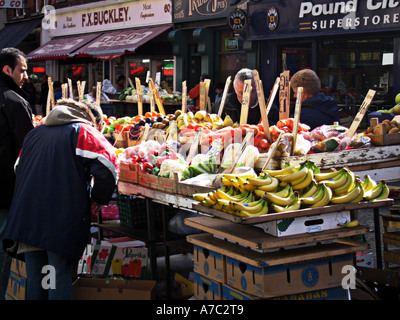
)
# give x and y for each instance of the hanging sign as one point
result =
(237, 20)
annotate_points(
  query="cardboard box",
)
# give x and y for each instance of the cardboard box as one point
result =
(102, 289)
(306, 224)
(206, 289)
(384, 139)
(148, 180)
(129, 172)
(167, 185)
(128, 259)
(209, 263)
(275, 281)
(336, 293)
(16, 287)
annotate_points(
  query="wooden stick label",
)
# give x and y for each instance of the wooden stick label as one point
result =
(284, 95)
(245, 101)
(98, 93)
(361, 112)
(297, 111)
(140, 96)
(223, 99)
(194, 146)
(184, 97)
(202, 96)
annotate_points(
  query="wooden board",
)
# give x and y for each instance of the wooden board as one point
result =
(293, 214)
(256, 238)
(278, 257)
(336, 159)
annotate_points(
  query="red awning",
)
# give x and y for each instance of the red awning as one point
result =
(112, 44)
(61, 48)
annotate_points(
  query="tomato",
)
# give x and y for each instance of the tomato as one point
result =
(264, 144)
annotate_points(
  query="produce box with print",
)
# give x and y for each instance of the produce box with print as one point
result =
(286, 279)
(128, 259)
(113, 289)
(209, 263)
(206, 289)
(17, 280)
(129, 172)
(307, 224)
(336, 293)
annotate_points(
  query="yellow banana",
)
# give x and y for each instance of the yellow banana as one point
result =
(305, 182)
(244, 175)
(286, 170)
(316, 197)
(385, 191)
(301, 172)
(262, 211)
(311, 190)
(208, 202)
(368, 183)
(337, 181)
(325, 199)
(353, 194)
(374, 192)
(326, 175)
(273, 198)
(245, 184)
(200, 196)
(247, 208)
(287, 191)
(347, 186)
(223, 195)
(226, 182)
(272, 187)
(351, 224)
(294, 205)
(261, 180)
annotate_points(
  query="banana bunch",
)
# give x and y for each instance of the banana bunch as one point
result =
(290, 188)
(293, 203)
(378, 192)
(242, 204)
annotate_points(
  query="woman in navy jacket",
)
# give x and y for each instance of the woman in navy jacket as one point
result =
(65, 167)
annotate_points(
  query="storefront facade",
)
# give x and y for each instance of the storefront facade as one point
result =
(352, 45)
(103, 40)
(203, 41)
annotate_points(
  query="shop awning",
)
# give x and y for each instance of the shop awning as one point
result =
(61, 48)
(116, 43)
(14, 33)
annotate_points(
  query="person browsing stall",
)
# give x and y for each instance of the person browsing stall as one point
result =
(66, 167)
(316, 108)
(233, 103)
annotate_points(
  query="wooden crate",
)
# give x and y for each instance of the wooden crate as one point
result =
(391, 239)
(186, 189)
(129, 172)
(385, 139)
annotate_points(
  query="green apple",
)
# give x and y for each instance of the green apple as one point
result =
(397, 99)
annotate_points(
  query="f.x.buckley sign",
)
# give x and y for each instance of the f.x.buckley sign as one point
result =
(285, 18)
(106, 16)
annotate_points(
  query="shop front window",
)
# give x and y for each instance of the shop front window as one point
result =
(349, 68)
(138, 68)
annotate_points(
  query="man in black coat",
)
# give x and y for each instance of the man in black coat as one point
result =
(233, 103)
(15, 123)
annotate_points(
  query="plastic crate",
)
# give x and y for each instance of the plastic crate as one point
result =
(133, 214)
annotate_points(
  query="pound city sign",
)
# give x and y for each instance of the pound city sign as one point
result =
(321, 17)
(12, 4)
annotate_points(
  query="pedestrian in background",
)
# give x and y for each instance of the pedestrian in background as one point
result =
(30, 89)
(194, 93)
(15, 123)
(120, 85)
(316, 108)
(66, 167)
(57, 90)
(233, 102)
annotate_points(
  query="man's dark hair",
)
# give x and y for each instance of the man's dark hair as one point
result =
(9, 57)
(56, 84)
